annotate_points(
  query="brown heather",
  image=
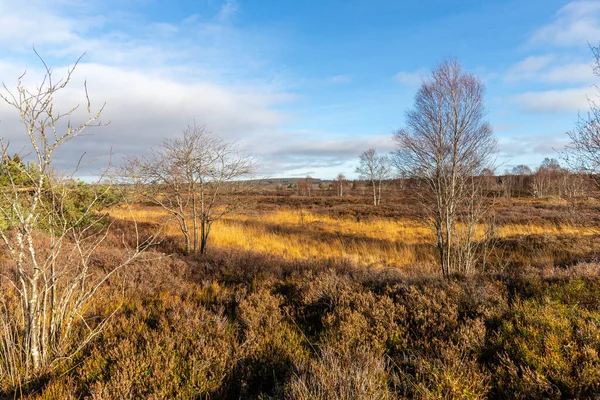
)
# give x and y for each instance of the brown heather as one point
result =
(240, 324)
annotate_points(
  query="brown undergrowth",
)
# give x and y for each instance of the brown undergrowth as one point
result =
(249, 325)
(237, 324)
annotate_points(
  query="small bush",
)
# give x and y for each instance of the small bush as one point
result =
(164, 347)
(550, 350)
(270, 347)
(357, 374)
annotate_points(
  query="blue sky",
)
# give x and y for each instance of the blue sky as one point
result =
(304, 86)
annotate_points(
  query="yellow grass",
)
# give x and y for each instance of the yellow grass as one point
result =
(304, 235)
(405, 231)
(307, 242)
(521, 229)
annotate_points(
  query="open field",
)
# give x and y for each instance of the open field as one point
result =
(321, 298)
(316, 230)
(289, 205)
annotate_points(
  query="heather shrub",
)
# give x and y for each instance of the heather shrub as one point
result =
(357, 374)
(431, 314)
(64, 388)
(270, 346)
(349, 316)
(446, 334)
(453, 372)
(161, 347)
(432, 332)
(584, 292)
(546, 349)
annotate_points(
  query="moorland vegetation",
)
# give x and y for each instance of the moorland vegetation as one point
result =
(188, 282)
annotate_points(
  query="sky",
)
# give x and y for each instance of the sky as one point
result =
(303, 86)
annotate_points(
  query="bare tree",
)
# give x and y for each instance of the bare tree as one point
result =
(522, 179)
(521, 170)
(548, 178)
(446, 143)
(304, 186)
(48, 281)
(195, 178)
(375, 169)
(583, 153)
(488, 179)
(339, 183)
(573, 184)
(517, 181)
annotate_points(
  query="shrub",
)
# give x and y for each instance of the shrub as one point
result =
(163, 347)
(358, 374)
(548, 349)
(350, 316)
(270, 347)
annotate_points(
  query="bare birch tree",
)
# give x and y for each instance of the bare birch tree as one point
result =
(48, 281)
(304, 186)
(446, 143)
(339, 183)
(195, 178)
(517, 181)
(583, 153)
(375, 169)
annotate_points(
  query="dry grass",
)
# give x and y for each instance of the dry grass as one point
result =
(236, 324)
(281, 322)
(305, 235)
(511, 230)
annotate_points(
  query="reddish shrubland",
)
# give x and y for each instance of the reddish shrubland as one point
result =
(243, 325)
(235, 324)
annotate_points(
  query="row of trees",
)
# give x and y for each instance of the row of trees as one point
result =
(550, 179)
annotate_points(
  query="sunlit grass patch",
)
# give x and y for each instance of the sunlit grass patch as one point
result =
(301, 234)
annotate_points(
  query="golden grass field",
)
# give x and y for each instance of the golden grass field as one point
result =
(301, 234)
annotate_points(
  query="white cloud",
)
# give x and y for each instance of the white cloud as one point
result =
(342, 147)
(537, 145)
(24, 24)
(228, 10)
(341, 79)
(413, 78)
(154, 80)
(555, 100)
(547, 69)
(143, 108)
(308, 149)
(570, 73)
(528, 68)
(575, 24)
